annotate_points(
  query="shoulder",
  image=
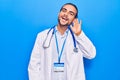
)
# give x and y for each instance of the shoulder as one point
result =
(42, 34)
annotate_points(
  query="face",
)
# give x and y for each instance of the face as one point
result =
(67, 15)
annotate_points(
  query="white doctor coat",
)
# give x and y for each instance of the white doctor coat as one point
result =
(41, 58)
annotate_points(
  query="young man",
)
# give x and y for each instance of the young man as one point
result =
(58, 52)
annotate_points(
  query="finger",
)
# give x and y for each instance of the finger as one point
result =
(75, 21)
(80, 22)
(71, 27)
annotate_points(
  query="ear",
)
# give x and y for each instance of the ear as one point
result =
(75, 20)
(72, 23)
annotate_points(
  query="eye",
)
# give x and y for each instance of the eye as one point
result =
(64, 10)
(71, 13)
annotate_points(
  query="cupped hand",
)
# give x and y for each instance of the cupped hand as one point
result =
(76, 28)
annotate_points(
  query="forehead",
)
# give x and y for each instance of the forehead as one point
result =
(70, 8)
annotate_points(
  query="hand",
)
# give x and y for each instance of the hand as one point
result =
(76, 28)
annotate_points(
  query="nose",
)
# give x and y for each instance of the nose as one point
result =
(66, 14)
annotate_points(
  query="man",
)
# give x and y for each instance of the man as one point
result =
(58, 52)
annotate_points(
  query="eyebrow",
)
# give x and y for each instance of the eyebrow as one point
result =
(69, 11)
(64, 9)
(72, 12)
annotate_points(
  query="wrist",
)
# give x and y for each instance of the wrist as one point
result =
(78, 33)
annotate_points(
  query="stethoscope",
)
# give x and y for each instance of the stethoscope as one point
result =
(48, 39)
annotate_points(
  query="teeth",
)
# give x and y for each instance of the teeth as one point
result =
(64, 19)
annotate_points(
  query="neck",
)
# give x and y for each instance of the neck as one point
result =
(62, 29)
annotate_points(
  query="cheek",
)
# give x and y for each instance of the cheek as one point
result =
(71, 19)
(60, 14)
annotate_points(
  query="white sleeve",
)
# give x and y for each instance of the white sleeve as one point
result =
(34, 68)
(86, 46)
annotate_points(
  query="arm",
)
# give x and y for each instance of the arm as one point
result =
(34, 68)
(85, 45)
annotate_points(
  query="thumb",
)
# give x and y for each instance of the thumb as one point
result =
(80, 24)
(71, 27)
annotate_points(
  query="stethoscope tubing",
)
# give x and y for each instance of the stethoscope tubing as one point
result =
(74, 40)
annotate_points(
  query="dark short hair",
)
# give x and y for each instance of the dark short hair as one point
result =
(73, 6)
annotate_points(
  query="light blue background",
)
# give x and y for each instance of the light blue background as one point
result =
(21, 20)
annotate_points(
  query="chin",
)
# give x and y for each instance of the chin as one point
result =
(62, 23)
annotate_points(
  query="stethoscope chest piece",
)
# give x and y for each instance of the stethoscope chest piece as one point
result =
(75, 50)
